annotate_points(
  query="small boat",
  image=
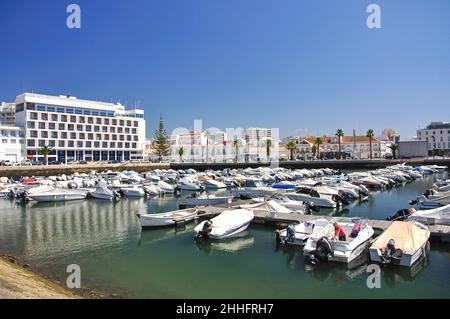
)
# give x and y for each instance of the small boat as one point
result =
(101, 191)
(58, 195)
(403, 243)
(205, 200)
(213, 184)
(167, 219)
(228, 223)
(284, 185)
(322, 246)
(314, 198)
(189, 186)
(132, 191)
(298, 234)
(440, 216)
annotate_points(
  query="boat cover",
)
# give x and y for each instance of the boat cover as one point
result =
(407, 236)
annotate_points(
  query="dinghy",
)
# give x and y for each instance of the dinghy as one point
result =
(167, 219)
(132, 191)
(228, 223)
(403, 243)
(101, 191)
(58, 195)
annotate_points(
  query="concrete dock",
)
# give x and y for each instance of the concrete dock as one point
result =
(438, 232)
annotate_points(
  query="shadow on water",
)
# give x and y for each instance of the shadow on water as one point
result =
(232, 244)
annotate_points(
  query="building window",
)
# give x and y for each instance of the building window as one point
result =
(51, 143)
(78, 111)
(87, 112)
(79, 144)
(51, 126)
(31, 143)
(79, 127)
(88, 143)
(33, 116)
(61, 143)
(61, 126)
(69, 110)
(60, 110)
(44, 134)
(70, 144)
(44, 117)
(50, 109)
(54, 117)
(41, 143)
(42, 125)
(81, 119)
(31, 124)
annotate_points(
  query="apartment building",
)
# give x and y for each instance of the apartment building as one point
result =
(7, 114)
(12, 143)
(78, 129)
(437, 135)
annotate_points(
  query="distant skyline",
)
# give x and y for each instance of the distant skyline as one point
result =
(305, 67)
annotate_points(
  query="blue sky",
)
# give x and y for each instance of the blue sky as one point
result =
(306, 67)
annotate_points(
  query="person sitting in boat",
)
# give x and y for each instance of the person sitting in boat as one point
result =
(339, 233)
(355, 230)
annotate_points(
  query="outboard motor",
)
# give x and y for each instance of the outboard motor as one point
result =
(72, 185)
(401, 214)
(339, 200)
(323, 251)
(386, 258)
(290, 234)
(310, 207)
(428, 192)
(206, 229)
(116, 195)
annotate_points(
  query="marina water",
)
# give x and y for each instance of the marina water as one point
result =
(105, 240)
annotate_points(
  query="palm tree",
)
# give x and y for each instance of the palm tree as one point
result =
(318, 142)
(394, 148)
(339, 134)
(181, 153)
(45, 151)
(268, 146)
(236, 144)
(370, 135)
(292, 147)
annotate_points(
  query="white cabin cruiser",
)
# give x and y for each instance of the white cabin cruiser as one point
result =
(58, 195)
(315, 198)
(228, 223)
(151, 189)
(403, 243)
(166, 187)
(213, 184)
(323, 245)
(298, 234)
(132, 191)
(101, 191)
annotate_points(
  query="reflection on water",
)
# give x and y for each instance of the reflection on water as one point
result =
(231, 245)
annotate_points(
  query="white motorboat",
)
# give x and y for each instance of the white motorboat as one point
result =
(132, 191)
(270, 206)
(298, 234)
(168, 218)
(213, 184)
(58, 195)
(440, 216)
(101, 191)
(206, 199)
(433, 201)
(283, 200)
(323, 246)
(253, 187)
(151, 189)
(165, 187)
(228, 223)
(403, 243)
(189, 186)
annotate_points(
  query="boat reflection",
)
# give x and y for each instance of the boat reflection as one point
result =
(164, 233)
(233, 244)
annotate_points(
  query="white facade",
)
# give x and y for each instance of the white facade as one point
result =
(254, 136)
(437, 135)
(7, 114)
(77, 129)
(12, 144)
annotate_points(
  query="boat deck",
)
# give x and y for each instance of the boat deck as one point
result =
(438, 232)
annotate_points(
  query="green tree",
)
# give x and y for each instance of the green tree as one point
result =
(292, 147)
(181, 153)
(268, 144)
(236, 143)
(370, 135)
(45, 151)
(313, 149)
(394, 148)
(161, 142)
(318, 142)
(339, 134)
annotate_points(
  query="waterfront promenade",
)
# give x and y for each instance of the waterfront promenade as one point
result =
(48, 170)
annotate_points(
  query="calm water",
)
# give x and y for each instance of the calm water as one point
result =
(105, 240)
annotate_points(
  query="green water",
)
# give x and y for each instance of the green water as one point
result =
(116, 257)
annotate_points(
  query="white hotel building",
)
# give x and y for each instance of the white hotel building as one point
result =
(77, 129)
(437, 135)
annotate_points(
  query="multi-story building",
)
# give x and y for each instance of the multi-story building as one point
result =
(12, 143)
(7, 114)
(77, 129)
(253, 136)
(437, 135)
